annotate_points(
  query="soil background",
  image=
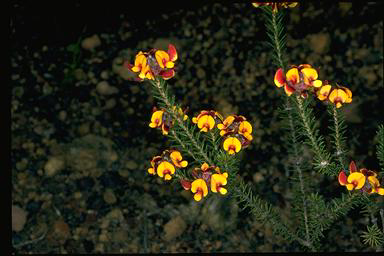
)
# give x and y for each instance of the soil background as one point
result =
(81, 145)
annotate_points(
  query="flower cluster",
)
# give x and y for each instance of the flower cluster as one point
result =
(338, 95)
(275, 5)
(155, 63)
(302, 79)
(162, 119)
(206, 178)
(235, 130)
(166, 164)
(363, 179)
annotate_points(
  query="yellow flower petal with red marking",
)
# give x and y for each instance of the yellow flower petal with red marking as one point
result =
(204, 166)
(323, 93)
(200, 188)
(162, 58)
(165, 168)
(337, 97)
(279, 78)
(349, 94)
(206, 123)
(227, 122)
(177, 159)
(245, 128)
(310, 74)
(232, 145)
(156, 119)
(293, 75)
(217, 181)
(357, 179)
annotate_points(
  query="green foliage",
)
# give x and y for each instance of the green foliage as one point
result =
(309, 129)
(75, 50)
(380, 148)
(338, 129)
(275, 31)
(184, 134)
(373, 237)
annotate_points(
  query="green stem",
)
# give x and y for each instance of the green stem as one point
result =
(299, 171)
(323, 162)
(339, 150)
(175, 115)
(278, 48)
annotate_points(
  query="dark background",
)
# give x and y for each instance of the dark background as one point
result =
(224, 64)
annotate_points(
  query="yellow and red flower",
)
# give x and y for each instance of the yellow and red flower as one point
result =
(206, 177)
(177, 159)
(275, 5)
(155, 63)
(363, 179)
(199, 188)
(162, 119)
(237, 133)
(374, 186)
(232, 145)
(340, 95)
(207, 119)
(323, 92)
(219, 180)
(165, 165)
(298, 78)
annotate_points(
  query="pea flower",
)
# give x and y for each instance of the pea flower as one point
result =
(219, 180)
(199, 188)
(340, 95)
(374, 186)
(165, 165)
(299, 78)
(207, 119)
(154, 63)
(363, 179)
(162, 119)
(323, 92)
(232, 145)
(236, 132)
(275, 5)
(177, 159)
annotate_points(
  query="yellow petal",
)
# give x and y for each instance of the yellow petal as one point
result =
(170, 64)
(317, 83)
(223, 191)
(293, 75)
(245, 127)
(357, 177)
(310, 74)
(160, 56)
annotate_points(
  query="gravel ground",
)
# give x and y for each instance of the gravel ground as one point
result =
(78, 123)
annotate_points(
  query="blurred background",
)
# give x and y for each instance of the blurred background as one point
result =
(81, 145)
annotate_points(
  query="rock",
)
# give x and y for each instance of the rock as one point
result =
(19, 218)
(62, 115)
(111, 103)
(104, 88)
(174, 228)
(90, 43)
(109, 196)
(132, 165)
(54, 165)
(61, 229)
(319, 43)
